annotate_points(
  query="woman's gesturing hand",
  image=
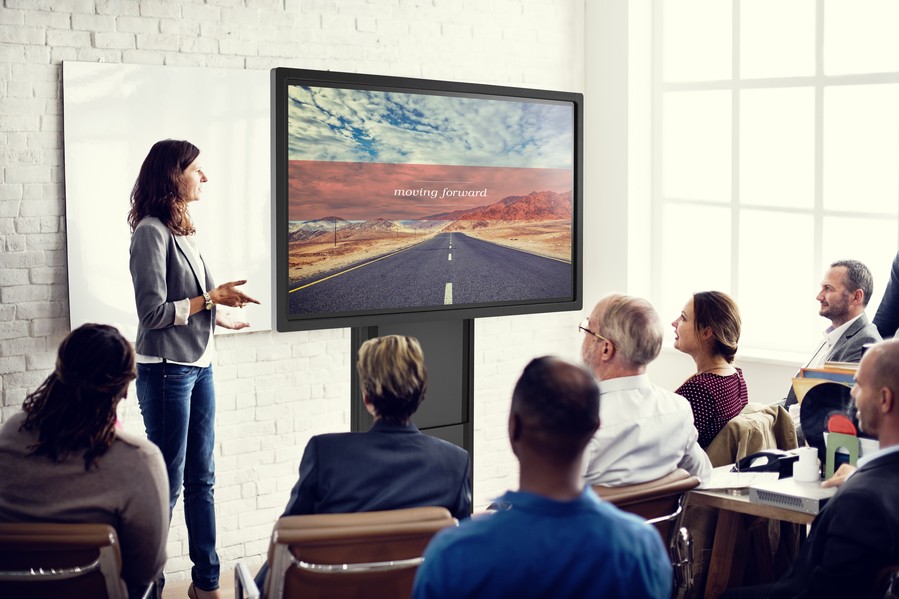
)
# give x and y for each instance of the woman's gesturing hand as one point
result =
(227, 294)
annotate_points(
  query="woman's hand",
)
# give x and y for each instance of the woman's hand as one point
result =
(228, 320)
(227, 294)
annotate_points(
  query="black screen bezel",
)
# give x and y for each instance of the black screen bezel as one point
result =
(282, 77)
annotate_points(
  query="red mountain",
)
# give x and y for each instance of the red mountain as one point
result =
(537, 205)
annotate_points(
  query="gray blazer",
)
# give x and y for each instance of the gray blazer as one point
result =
(848, 347)
(163, 272)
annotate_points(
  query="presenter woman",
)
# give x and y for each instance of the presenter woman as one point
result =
(176, 307)
(708, 329)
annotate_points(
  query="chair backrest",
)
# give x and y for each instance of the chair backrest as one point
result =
(369, 554)
(658, 501)
(756, 428)
(40, 560)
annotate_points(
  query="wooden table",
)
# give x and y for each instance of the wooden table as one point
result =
(728, 546)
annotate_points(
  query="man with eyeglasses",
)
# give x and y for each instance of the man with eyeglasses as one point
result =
(647, 431)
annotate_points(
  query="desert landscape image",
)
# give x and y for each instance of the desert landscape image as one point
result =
(400, 200)
(333, 243)
(538, 222)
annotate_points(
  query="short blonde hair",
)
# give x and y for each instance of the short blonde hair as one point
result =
(393, 376)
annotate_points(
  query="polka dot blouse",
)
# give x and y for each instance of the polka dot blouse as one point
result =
(715, 400)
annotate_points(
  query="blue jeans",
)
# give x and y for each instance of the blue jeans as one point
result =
(178, 406)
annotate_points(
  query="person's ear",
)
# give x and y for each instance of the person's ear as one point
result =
(514, 427)
(608, 351)
(887, 401)
(706, 333)
(368, 405)
(857, 297)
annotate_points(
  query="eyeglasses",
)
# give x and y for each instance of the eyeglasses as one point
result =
(585, 327)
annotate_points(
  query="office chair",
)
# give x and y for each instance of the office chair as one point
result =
(370, 554)
(660, 502)
(50, 560)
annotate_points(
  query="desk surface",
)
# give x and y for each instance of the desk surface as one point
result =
(741, 504)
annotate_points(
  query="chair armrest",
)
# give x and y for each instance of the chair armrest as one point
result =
(244, 585)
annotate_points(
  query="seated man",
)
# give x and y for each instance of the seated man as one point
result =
(392, 465)
(845, 291)
(887, 317)
(855, 535)
(558, 539)
(647, 431)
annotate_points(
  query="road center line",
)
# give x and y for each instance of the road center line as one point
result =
(450, 257)
(448, 294)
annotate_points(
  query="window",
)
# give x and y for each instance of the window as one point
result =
(776, 152)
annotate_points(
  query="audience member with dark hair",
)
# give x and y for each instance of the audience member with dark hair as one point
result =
(647, 431)
(392, 465)
(854, 538)
(845, 292)
(708, 330)
(62, 459)
(557, 539)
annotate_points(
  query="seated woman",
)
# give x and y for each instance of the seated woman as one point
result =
(391, 466)
(708, 329)
(63, 459)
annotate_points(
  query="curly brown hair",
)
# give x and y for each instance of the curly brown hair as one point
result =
(74, 409)
(158, 189)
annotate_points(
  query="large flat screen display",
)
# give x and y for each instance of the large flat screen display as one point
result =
(399, 199)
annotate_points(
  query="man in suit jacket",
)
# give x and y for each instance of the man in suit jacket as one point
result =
(856, 536)
(391, 466)
(887, 317)
(845, 291)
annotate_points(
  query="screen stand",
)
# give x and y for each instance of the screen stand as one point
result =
(447, 409)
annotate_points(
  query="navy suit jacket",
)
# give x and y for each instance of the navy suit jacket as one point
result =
(848, 347)
(887, 317)
(854, 537)
(389, 467)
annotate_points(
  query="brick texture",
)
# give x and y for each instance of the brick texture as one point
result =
(275, 390)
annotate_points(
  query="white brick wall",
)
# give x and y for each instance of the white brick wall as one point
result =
(274, 390)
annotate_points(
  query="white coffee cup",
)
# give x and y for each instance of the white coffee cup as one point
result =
(806, 468)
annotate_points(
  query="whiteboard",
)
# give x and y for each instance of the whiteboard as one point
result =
(112, 115)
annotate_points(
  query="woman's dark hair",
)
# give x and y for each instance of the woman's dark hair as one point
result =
(74, 409)
(159, 185)
(719, 312)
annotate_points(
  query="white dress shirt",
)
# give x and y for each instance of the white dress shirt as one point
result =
(644, 433)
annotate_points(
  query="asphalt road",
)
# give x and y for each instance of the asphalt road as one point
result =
(451, 268)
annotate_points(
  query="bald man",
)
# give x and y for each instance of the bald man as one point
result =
(857, 533)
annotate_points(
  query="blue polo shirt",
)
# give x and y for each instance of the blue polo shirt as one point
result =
(545, 548)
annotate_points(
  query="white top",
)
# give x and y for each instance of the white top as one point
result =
(879, 453)
(644, 433)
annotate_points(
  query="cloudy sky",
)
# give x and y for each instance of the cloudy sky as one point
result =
(347, 125)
